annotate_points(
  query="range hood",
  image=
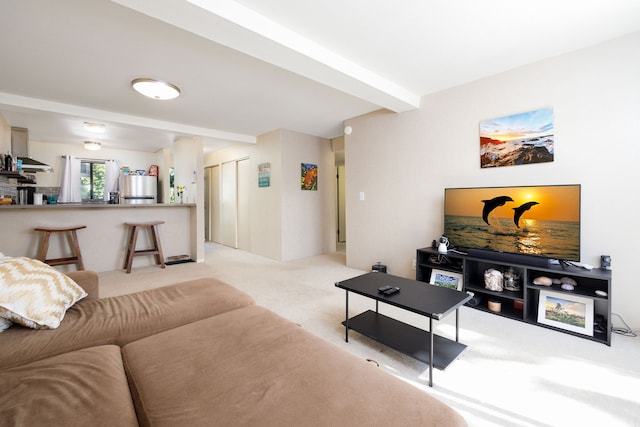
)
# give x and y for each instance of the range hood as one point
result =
(31, 166)
(20, 151)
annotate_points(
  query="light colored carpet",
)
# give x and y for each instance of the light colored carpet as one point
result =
(512, 374)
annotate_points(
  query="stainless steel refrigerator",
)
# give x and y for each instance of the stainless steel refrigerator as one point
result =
(138, 189)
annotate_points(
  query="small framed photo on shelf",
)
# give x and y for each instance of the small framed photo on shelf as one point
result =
(565, 311)
(446, 279)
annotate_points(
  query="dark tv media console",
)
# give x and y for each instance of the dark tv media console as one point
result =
(540, 305)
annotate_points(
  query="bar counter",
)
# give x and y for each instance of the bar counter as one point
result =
(104, 242)
(96, 205)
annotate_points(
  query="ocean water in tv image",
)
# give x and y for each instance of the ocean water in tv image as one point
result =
(553, 239)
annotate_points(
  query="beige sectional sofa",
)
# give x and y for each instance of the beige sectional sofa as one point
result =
(198, 353)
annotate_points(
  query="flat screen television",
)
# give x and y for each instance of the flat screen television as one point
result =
(538, 221)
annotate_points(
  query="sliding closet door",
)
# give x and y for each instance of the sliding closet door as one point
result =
(229, 205)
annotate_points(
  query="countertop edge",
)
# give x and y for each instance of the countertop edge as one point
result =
(98, 206)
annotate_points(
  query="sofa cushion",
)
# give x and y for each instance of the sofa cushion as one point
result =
(35, 295)
(89, 281)
(119, 320)
(251, 367)
(82, 388)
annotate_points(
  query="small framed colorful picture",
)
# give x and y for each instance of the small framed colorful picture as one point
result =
(264, 174)
(446, 279)
(308, 176)
(566, 311)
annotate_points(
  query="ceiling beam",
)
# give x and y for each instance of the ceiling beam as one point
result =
(230, 24)
(110, 116)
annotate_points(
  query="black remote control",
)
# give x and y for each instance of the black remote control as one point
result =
(391, 291)
(384, 288)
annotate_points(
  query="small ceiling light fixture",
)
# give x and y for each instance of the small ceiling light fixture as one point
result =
(92, 145)
(95, 127)
(156, 89)
(348, 130)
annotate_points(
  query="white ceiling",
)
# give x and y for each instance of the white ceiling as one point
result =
(247, 67)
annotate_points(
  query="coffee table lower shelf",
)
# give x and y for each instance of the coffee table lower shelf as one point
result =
(406, 339)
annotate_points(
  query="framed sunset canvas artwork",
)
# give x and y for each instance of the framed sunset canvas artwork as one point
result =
(518, 139)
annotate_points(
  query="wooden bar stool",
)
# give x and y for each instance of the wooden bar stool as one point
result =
(77, 256)
(131, 248)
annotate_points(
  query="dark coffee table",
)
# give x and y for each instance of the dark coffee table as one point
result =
(434, 302)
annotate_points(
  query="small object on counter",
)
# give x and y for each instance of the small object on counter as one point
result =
(511, 280)
(53, 199)
(114, 197)
(493, 280)
(495, 306)
(391, 291)
(5, 200)
(543, 281)
(378, 268)
(8, 162)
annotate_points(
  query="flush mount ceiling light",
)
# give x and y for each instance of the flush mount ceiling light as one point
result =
(156, 89)
(94, 127)
(92, 145)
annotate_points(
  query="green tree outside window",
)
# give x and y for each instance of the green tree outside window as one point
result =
(92, 180)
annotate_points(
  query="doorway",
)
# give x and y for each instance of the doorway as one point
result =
(341, 215)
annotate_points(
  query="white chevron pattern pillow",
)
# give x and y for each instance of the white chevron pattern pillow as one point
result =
(35, 295)
(5, 324)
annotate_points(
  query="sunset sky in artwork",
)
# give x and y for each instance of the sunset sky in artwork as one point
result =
(519, 126)
(559, 203)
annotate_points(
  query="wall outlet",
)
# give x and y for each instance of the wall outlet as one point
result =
(413, 263)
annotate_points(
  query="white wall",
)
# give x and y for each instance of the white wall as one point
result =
(308, 217)
(402, 162)
(286, 222)
(266, 202)
(164, 161)
(189, 172)
(5, 136)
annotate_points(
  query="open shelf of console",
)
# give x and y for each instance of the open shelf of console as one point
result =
(523, 304)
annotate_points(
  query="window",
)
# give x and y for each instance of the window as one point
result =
(92, 180)
(171, 185)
